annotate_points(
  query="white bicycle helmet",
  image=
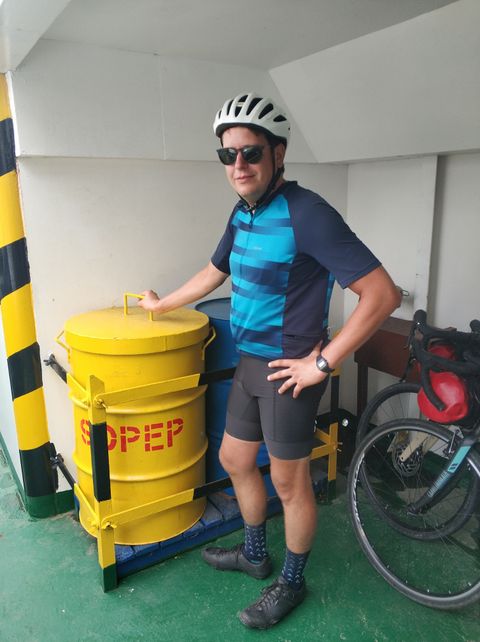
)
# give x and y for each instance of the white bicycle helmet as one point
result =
(251, 110)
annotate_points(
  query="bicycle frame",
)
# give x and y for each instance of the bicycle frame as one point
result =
(449, 473)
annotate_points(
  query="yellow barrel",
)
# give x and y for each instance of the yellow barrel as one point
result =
(156, 446)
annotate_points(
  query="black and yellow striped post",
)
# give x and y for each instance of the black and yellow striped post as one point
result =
(23, 352)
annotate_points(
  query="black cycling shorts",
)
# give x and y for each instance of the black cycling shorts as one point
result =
(257, 412)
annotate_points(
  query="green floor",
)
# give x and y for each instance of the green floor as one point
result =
(50, 590)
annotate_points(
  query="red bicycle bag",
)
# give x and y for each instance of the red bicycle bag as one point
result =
(449, 387)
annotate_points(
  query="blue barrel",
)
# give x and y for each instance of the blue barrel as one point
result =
(220, 354)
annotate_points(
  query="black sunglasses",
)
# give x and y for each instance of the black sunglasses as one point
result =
(251, 154)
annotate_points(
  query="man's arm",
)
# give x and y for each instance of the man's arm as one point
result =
(378, 298)
(204, 282)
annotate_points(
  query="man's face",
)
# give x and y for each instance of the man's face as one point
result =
(251, 180)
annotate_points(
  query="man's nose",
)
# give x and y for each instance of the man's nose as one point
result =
(240, 161)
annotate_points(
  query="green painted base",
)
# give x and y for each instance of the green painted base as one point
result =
(109, 578)
(64, 501)
(49, 505)
(44, 506)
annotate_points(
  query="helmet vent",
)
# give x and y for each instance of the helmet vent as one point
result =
(266, 110)
(240, 104)
(279, 119)
(253, 102)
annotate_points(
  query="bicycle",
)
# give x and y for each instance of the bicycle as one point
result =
(399, 401)
(414, 484)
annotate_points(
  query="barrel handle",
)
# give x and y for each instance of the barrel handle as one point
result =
(137, 296)
(211, 336)
(64, 345)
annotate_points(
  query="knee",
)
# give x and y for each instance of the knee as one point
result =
(291, 489)
(285, 488)
(226, 459)
(234, 463)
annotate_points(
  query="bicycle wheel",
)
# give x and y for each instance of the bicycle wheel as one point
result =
(442, 572)
(394, 402)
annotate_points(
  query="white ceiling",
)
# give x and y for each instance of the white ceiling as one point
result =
(257, 33)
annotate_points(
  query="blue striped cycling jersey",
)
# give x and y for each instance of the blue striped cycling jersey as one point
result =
(283, 261)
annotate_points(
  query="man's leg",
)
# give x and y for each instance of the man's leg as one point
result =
(294, 487)
(293, 484)
(238, 457)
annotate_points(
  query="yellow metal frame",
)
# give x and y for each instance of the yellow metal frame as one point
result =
(330, 440)
(101, 516)
(329, 449)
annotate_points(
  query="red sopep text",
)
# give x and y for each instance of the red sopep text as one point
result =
(156, 436)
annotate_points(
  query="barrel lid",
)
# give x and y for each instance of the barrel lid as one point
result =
(111, 331)
(216, 308)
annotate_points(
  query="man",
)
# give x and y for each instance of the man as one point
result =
(283, 246)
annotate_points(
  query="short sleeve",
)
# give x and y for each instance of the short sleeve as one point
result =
(221, 257)
(321, 233)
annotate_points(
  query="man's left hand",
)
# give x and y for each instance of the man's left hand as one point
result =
(300, 373)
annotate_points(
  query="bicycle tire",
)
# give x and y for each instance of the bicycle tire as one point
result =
(393, 402)
(418, 568)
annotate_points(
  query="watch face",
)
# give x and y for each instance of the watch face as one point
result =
(322, 364)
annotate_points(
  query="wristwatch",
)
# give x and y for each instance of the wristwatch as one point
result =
(323, 365)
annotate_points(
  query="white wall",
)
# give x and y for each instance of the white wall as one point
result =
(455, 286)
(391, 207)
(410, 89)
(21, 25)
(85, 101)
(424, 225)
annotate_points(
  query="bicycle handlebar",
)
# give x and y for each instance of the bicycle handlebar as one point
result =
(475, 326)
(466, 345)
(420, 317)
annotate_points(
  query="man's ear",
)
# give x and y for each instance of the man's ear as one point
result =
(279, 154)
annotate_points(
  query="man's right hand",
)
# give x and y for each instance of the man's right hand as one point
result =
(150, 301)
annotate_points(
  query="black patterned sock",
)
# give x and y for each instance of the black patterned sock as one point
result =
(254, 548)
(293, 568)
